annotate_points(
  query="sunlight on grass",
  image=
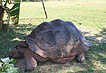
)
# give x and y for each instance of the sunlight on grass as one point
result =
(88, 15)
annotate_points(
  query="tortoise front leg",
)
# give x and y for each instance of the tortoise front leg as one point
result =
(31, 62)
(80, 58)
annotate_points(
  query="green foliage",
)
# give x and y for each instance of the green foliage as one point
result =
(14, 13)
(6, 67)
(13, 61)
(15, 6)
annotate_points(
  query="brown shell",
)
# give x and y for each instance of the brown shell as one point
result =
(57, 39)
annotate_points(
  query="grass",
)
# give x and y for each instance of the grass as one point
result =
(88, 15)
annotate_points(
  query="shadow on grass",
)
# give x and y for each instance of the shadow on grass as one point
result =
(96, 55)
(9, 39)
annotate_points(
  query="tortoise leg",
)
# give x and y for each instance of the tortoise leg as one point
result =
(31, 62)
(63, 60)
(80, 58)
(39, 58)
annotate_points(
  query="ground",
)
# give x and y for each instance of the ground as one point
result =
(88, 15)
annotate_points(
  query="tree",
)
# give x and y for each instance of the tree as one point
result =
(12, 13)
(1, 15)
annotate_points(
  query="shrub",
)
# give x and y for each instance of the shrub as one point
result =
(7, 65)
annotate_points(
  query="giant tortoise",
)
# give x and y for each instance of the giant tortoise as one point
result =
(57, 41)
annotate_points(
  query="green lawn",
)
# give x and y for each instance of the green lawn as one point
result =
(88, 15)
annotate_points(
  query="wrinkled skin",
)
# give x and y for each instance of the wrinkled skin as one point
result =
(18, 52)
(55, 41)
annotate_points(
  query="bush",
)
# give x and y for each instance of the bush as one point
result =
(7, 66)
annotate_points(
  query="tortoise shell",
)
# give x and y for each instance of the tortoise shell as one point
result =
(57, 39)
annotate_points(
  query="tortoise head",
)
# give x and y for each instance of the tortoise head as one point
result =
(18, 52)
(82, 47)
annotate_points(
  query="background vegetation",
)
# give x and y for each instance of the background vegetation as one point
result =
(12, 13)
(88, 15)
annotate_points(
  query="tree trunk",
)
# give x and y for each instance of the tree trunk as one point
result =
(1, 17)
(0, 2)
(44, 9)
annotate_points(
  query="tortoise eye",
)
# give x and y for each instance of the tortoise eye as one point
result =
(16, 47)
(23, 46)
